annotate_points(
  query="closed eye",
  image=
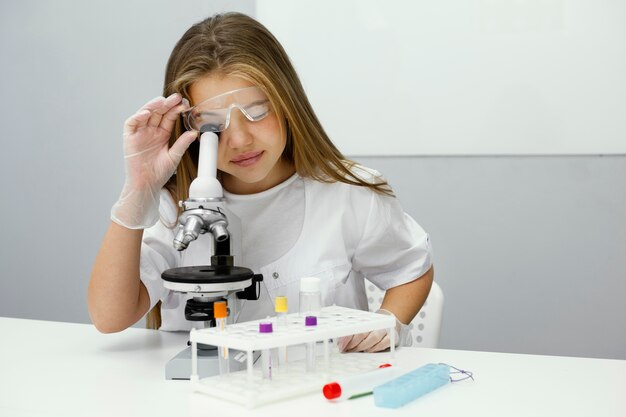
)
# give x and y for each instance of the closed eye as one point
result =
(258, 109)
(206, 114)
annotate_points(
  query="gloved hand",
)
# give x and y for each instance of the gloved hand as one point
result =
(374, 341)
(149, 161)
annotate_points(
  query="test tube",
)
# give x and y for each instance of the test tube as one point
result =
(280, 306)
(220, 313)
(266, 354)
(355, 386)
(281, 322)
(310, 322)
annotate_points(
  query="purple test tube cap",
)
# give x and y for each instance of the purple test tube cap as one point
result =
(310, 321)
(265, 327)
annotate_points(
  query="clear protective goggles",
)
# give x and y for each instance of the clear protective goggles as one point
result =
(213, 114)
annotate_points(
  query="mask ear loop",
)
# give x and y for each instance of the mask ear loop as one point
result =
(465, 374)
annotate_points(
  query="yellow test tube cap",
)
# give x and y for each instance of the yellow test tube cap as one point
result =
(281, 304)
(219, 310)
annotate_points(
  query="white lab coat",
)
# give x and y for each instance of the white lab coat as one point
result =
(349, 233)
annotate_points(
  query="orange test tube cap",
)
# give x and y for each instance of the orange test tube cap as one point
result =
(219, 310)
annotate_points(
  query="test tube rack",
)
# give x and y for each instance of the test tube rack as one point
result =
(249, 388)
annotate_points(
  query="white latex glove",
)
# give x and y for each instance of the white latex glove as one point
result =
(149, 161)
(374, 341)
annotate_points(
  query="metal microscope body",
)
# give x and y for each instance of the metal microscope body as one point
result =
(201, 215)
(203, 212)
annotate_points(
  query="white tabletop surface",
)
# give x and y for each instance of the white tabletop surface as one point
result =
(65, 369)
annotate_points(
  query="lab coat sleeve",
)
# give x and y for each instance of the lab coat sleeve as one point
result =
(157, 251)
(393, 249)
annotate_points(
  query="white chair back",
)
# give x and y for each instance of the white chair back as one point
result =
(425, 328)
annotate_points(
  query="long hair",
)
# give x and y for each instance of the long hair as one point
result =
(234, 44)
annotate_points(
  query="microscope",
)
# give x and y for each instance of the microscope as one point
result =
(203, 212)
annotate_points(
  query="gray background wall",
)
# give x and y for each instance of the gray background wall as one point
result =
(529, 250)
(474, 77)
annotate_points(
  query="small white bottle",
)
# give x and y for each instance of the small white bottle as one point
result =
(310, 296)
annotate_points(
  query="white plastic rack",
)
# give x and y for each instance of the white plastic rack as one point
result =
(249, 388)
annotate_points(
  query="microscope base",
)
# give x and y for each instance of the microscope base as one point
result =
(179, 367)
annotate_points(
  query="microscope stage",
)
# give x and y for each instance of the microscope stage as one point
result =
(207, 278)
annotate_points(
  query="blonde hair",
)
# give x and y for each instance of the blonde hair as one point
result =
(236, 45)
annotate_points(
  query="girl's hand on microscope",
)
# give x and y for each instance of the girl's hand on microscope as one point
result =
(149, 161)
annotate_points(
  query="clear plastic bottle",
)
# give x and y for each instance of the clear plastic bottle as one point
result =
(310, 296)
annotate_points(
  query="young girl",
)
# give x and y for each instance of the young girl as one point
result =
(304, 209)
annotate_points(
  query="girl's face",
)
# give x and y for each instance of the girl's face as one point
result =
(249, 152)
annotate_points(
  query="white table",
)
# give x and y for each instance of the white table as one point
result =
(64, 369)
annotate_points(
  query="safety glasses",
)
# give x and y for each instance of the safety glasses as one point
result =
(213, 114)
